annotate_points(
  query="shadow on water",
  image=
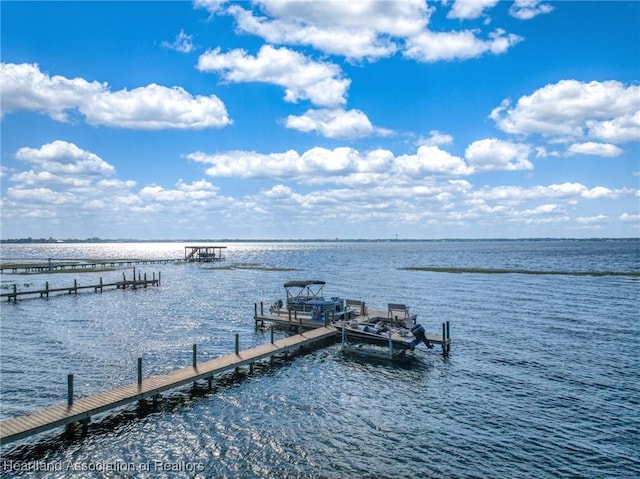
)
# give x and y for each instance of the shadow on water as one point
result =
(171, 402)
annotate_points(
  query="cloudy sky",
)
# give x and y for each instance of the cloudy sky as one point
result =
(283, 119)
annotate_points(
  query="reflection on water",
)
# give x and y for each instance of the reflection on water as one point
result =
(542, 380)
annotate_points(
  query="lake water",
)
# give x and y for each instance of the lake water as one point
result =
(543, 379)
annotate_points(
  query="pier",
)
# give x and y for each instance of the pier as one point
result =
(203, 254)
(140, 282)
(62, 265)
(81, 410)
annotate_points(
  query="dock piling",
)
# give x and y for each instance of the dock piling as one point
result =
(237, 344)
(194, 361)
(69, 389)
(139, 371)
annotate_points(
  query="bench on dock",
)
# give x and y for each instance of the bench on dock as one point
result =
(356, 306)
(398, 308)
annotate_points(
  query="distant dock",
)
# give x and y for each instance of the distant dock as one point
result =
(81, 410)
(134, 283)
(60, 265)
(203, 254)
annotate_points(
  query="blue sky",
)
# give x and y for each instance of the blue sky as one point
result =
(320, 119)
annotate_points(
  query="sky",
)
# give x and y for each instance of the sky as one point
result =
(324, 119)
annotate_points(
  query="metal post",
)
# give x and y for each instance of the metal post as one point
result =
(237, 343)
(69, 389)
(195, 355)
(139, 371)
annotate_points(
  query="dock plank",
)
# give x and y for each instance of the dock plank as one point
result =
(43, 420)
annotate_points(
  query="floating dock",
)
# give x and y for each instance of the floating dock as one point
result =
(302, 321)
(81, 410)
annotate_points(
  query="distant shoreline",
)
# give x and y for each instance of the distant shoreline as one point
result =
(298, 240)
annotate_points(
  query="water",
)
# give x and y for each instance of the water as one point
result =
(543, 379)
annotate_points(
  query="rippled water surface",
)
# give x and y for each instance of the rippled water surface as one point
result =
(543, 379)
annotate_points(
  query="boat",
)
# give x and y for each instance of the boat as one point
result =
(393, 328)
(305, 307)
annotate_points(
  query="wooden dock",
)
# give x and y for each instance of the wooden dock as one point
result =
(301, 321)
(64, 265)
(140, 282)
(82, 409)
(203, 254)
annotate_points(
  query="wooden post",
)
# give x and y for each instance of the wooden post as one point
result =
(15, 293)
(158, 278)
(448, 339)
(299, 325)
(237, 343)
(47, 288)
(444, 339)
(145, 280)
(101, 284)
(69, 389)
(261, 308)
(271, 334)
(255, 312)
(133, 282)
(75, 286)
(195, 355)
(139, 371)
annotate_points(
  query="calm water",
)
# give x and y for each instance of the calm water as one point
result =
(543, 379)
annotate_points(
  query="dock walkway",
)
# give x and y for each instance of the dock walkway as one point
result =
(63, 265)
(82, 409)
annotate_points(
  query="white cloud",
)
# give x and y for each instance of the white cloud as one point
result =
(429, 46)
(470, 9)
(183, 43)
(183, 192)
(512, 195)
(368, 29)
(313, 166)
(492, 154)
(153, 107)
(61, 157)
(431, 160)
(156, 107)
(589, 220)
(337, 124)
(570, 109)
(528, 9)
(435, 138)
(25, 87)
(303, 79)
(357, 30)
(592, 148)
